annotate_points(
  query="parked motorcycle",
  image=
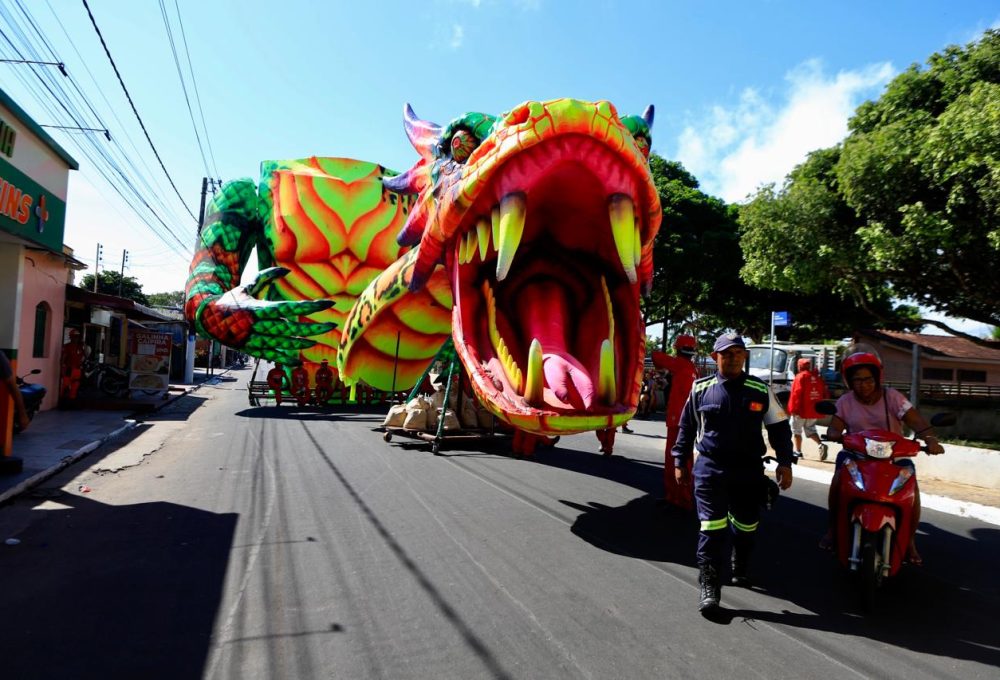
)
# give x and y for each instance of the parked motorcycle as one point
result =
(31, 394)
(877, 488)
(110, 380)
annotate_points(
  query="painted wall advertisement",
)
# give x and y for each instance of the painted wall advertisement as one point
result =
(150, 362)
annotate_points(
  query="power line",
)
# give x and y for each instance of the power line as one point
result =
(102, 156)
(136, 112)
(194, 84)
(180, 76)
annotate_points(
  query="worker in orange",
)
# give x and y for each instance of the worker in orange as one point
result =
(277, 381)
(300, 385)
(683, 373)
(324, 384)
(71, 367)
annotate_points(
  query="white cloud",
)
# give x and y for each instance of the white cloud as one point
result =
(457, 35)
(735, 150)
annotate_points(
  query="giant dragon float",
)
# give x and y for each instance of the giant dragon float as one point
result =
(527, 238)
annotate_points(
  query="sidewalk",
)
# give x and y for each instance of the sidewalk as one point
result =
(57, 439)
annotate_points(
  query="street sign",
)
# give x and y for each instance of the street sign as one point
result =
(781, 319)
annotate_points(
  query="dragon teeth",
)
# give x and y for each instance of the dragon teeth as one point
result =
(606, 390)
(623, 228)
(513, 210)
(483, 232)
(535, 388)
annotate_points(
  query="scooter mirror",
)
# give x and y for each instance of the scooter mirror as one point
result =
(943, 419)
(827, 407)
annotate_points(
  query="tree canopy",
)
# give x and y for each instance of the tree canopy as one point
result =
(108, 283)
(171, 299)
(698, 256)
(907, 207)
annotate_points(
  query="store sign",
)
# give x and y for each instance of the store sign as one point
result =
(29, 211)
(149, 362)
(7, 137)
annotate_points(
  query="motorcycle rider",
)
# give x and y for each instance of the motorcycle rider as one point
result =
(870, 405)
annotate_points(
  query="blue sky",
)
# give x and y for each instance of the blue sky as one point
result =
(743, 90)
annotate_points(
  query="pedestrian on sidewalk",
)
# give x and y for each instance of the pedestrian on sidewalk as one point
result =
(807, 388)
(9, 381)
(723, 419)
(71, 368)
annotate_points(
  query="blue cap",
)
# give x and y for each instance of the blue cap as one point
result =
(727, 340)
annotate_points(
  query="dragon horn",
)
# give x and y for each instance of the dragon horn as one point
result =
(647, 116)
(413, 181)
(423, 135)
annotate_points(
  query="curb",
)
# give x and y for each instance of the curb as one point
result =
(983, 513)
(87, 449)
(64, 463)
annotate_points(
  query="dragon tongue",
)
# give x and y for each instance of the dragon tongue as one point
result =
(568, 380)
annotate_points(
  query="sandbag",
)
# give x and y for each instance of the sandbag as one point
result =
(396, 416)
(484, 418)
(415, 420)
(467, 415)
(451, 421)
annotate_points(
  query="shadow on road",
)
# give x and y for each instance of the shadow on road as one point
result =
(946, 608)
(113, 592)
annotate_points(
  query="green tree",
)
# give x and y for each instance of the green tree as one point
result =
(108, 283)
(908, 207)
(697, 285)
(804, 238)
(172, 299)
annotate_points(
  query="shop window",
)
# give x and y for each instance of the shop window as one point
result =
(938, 374)
(966, 375)
(42, 316)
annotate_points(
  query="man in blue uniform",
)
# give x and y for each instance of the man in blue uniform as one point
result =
(722, 419)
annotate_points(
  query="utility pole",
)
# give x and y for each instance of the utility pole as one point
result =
(121, 278)
(97, 264)
(206, 184)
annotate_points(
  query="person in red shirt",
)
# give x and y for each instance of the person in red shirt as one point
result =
(277, 381)
(683, 373)
(807, 388)
(71, 367)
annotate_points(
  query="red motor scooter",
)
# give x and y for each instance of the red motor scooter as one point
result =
(876, 501)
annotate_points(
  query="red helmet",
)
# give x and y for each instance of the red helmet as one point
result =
(685, 343)
(804, 364)
(856, 361)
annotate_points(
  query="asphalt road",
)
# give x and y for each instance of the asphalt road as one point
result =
(222, 541)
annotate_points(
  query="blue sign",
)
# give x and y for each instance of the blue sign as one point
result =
(781, 319)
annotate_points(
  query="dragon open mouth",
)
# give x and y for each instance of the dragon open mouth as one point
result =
(546, 314)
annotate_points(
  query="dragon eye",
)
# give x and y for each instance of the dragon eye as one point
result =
(463, 143)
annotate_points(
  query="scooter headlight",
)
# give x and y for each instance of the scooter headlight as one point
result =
(852, 469)
(901, 479)
(877, 449)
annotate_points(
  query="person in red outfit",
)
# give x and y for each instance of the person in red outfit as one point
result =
(683, 373)
(300, 385)
(71, 365)
(807, 388)
(324, 384)
(277, 381)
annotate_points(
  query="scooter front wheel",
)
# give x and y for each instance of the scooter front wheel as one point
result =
(870, 573)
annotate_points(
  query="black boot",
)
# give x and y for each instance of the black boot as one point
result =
(708, 579)
(741, 565)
